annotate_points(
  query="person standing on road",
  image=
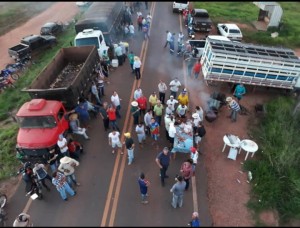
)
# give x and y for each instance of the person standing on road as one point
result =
(169, 36)
(140, 131)
(174, 87)
(116, 101)
(178, 191)
(95, 92)
(187, 172)
(154, 130)
(163, 161)
(131, 60)
(194, 157)
(195, 220)
(112, 116)
(67, 167)
(158, 112)
(114, 140)
(183, 98)
(62, 186)
(41, 173)
(200, 112)
(235, 108)
(22, 220)
(137, 93)
(171, 103)
(197, 68)
(130, 147)
(52, 160)
(172, 131)
(119, 54)
(199, 133)
(137, 67)
(142, 102)
(152, 100)
(135, 111)
(162, 89)
(239, 92)
(147, 120)
(190, 61)
(172, 44)
(144, 184)
(62, 143)
(104, 116)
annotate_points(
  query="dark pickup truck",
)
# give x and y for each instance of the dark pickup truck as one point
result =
(30, 45)
(201, 20)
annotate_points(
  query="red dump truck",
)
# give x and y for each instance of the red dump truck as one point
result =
(57, 88)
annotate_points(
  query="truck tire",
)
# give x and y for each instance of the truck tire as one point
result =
(15, 76)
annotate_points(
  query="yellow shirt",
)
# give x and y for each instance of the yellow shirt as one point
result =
(153, 100)
(183, 99)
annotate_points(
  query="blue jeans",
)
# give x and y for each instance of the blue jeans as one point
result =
(144, 197)
(71, 179)
(130, 156)
(196, 75)
(53, 167)
(177, 200)
(66, 188)
(114, 125)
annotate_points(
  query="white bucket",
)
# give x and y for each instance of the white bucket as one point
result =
(115, 63)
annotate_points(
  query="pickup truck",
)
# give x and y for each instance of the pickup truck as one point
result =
(54, 92)
(30, 45)
(201, 20)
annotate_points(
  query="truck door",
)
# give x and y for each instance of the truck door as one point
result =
(102, 46)
(62, 122)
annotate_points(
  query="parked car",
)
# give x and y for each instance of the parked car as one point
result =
(231, 31)
(201, 20)
(180, 6)
(82, 4)
(51, 28)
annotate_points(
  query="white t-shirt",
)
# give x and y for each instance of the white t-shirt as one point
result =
(172, 131)
(140, 130)
(194, 156)
(61, 143)
(137, 94)
(115, 100)
(114, 137)
(131, 29)
(169, 36)
(172, 103)
(162, 87)
(174, 85)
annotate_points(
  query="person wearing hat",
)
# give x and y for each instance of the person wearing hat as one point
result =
(62, 186)
(129, 146)
(22, 220)
(195, 220)
(163, 161)
(67, 167)
(234, 107)
(135, 111)
(171, 103)
(153, 100)
(137, 67)
(178, 192)
(183, 97)
(194, 157)
(162, 89)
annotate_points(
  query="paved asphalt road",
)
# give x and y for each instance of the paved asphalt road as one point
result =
(109, 193)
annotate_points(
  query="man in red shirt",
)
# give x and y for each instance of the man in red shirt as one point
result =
(142, 101)
(197, 69)
(112, 116)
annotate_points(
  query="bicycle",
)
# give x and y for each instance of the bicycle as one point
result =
(3, 201)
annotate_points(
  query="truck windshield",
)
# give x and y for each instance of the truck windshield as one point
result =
(37, 122)
(87, 41)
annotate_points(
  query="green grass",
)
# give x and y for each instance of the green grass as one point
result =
(276, 171)
(12, 98)
(247, 12)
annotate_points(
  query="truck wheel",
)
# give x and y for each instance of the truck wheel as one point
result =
(14, 76)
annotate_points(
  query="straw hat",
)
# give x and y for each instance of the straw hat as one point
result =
(73, 116)
(127, 134)
(195, 115)
(65, 160)
(228, 99)
(134, 104)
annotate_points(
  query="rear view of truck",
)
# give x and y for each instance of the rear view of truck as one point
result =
(67, 77)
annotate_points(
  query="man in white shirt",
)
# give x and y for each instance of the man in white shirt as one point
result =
(168, 119)
(119, 54)
(117, 103)
(174, 87)
(169, 38)
(162, 88)
(147, 120)
(137, 93)
(137, 67)
(114, 140)
(181, 110)
(131, 30)
(63, 145)
(172, 102)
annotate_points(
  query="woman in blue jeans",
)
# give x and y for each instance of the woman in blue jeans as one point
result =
(62, 186)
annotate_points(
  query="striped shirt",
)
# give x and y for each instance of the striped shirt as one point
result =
(235, 106)
(58, 181)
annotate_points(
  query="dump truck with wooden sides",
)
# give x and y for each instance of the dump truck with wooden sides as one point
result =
(67, 77)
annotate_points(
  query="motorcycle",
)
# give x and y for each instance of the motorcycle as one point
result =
(33, 186)
(3, 201)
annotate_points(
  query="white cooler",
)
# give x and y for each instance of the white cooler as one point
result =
(115, 63)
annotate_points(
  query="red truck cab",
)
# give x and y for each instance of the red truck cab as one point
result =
(41, 121)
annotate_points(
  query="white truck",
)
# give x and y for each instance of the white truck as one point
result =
(228, 61)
